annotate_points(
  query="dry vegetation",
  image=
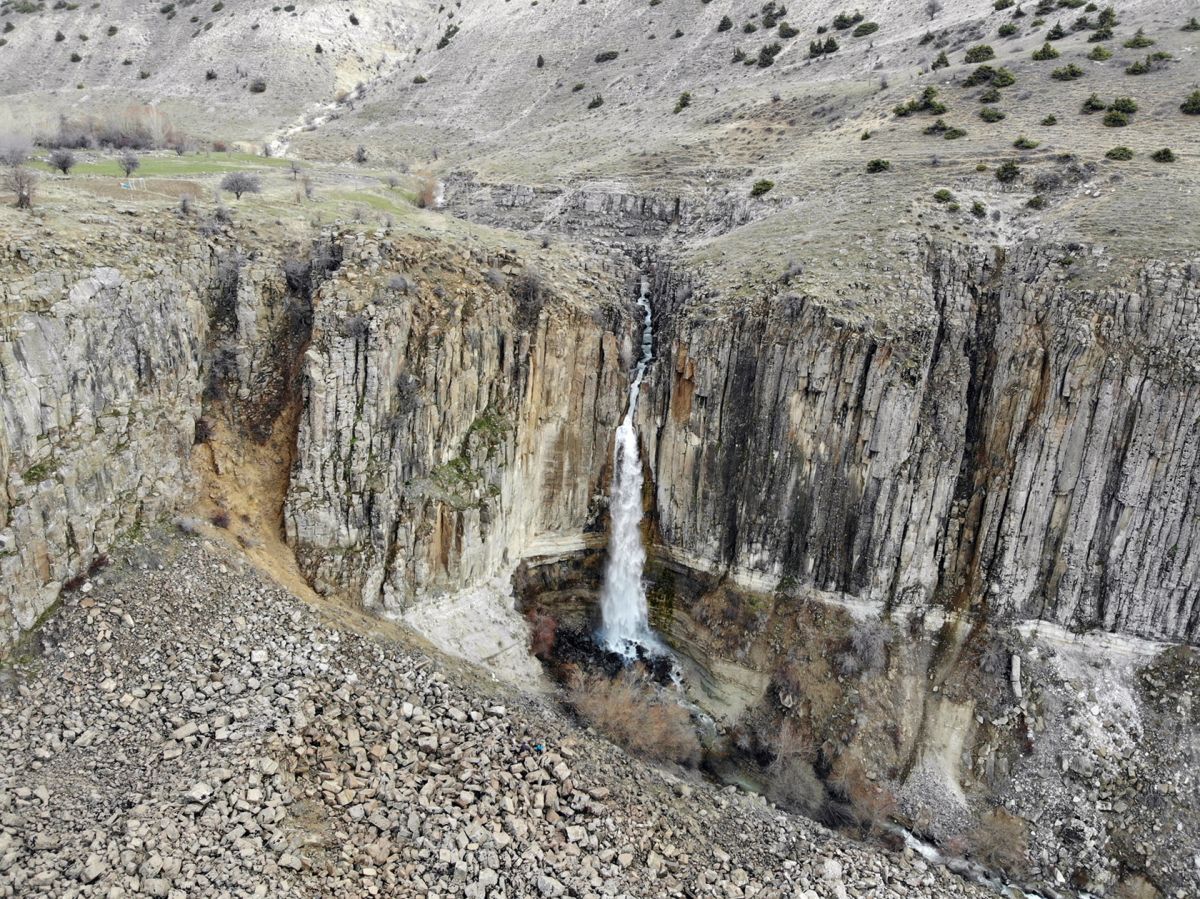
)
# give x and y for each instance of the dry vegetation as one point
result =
(637, 716)
(1001, 842)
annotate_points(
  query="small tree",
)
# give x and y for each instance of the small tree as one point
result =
(295, 169)
(238, 183)
(21, 182)
(129, 162)
(360, 154)
(63, 160)
(932, 9)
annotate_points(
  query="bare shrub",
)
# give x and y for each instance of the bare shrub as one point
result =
(631, 714)
(494, 277)
(138, 128)
(21, 182)
(63, 160)
(185, 204)
(427, 194)
(360, 154)
(1136, 887)
(529, 290)
(129, 162)
(13, 150)
(221, 519)
(392, 181)
(543, 630)
(189, 525)
(399, 283)
(866, 649)
(795, 787)
(870, 805)
(1001, 842)
(793, 784)
(238, 183)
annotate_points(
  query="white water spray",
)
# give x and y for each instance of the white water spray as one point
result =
(626, 619)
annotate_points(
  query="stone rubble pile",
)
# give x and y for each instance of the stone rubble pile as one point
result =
(192, 730)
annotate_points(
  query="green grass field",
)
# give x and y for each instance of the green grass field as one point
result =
(179, 166)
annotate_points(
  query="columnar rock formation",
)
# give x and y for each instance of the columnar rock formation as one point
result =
(99, 392)
(1028, 447)
(1030, 451)
(457, 410)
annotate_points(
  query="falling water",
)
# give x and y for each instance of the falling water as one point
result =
(626, 622)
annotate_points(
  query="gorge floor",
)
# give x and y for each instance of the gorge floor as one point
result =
(190, 728)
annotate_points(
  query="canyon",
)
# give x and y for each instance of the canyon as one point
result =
(418, 418)
(600, 449)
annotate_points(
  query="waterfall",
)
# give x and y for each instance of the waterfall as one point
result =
(625, 616)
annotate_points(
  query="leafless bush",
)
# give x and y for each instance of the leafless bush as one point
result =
(129, 162)
(392, 181)
(528, 289)
(139, 128)
(494, 278)
(13, 150)
(794, 270)
(866, 649)
(793, 784)
(994, 657)
(870, 806)
(1136, 887)
(238, 183)
(21, 182)
(543, 629)
(360, 154)
(631, 714)
(221, 519)
(427, 194)
(63, 160)
(1001, 842)
(795, 787)
(308, 189)
(189, 525)
(399, 283)
(295, 169)
(185, 204)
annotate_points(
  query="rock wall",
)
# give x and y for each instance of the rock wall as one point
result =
(600, 209)
(458, 410)
(1030, 452)
(99, 392)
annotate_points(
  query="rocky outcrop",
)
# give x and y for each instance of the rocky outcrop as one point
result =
(99, 392)
(458, 410)
(1031, 451)
(600, 209)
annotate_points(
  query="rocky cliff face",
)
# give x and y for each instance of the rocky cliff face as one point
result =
(99, 369)
(1025, 445)
(1031, 451)
(458, 411)
(607, 208)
